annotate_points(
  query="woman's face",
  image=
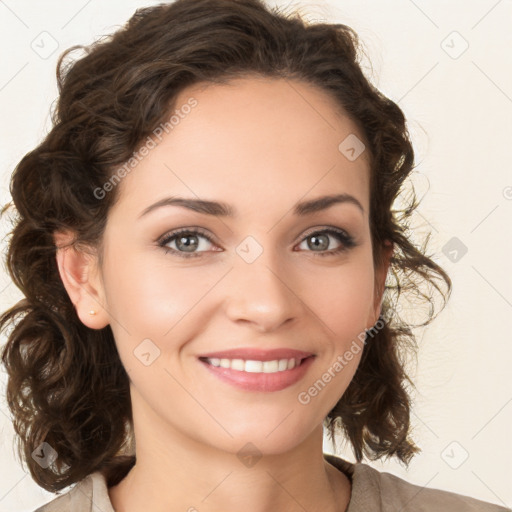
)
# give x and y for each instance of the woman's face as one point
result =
(272, 277)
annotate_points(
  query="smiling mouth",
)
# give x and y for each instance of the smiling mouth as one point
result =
(251, 375)
(255, 366)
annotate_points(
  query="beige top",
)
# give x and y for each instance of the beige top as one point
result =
(372, 491)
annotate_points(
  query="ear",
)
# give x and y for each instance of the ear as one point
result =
(80, 275)
(380, 280)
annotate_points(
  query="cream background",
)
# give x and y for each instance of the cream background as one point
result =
(459, 112)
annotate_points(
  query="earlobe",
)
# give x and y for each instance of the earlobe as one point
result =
(78, 271)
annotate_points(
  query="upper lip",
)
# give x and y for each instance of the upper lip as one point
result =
(257, 354)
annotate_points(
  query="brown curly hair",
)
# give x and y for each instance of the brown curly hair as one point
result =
(66, 384)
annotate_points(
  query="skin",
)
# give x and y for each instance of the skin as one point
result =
(260, 145)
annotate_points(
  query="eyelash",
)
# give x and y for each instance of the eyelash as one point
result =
(347, 242)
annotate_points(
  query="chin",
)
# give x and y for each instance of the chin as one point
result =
(265, 438)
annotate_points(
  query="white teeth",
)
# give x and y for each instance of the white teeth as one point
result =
(237, 364)
(253, 366)
(277, 365)
(270, 366)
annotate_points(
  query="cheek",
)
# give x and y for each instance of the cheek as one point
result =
(342, 304)
(342, 298)
(155, 301)
(157, 294)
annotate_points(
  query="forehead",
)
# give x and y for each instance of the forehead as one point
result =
(250, 140)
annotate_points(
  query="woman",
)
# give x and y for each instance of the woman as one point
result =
(181, 345)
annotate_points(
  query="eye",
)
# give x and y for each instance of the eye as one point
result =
(188, 242)
(320, 240)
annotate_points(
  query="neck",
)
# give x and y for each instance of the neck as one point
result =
(175, 472)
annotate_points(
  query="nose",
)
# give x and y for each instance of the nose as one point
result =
(262, 295)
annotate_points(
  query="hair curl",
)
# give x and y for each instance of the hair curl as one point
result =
(66, 384)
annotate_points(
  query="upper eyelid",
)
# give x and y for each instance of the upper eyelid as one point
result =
(321, 229)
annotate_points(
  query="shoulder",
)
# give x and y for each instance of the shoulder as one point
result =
(397, 491)
(88, 495)
(383, 492)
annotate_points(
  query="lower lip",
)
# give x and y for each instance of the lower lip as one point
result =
(261, 381)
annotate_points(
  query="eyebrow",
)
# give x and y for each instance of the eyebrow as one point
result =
(221, 209)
